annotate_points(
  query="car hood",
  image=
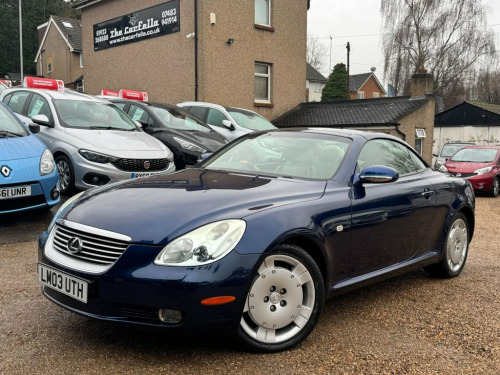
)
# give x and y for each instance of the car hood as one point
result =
(157, 209)
(20, 148)
(116, 140)
(464, 167)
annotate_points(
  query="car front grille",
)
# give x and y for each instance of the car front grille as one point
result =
(139, 165)
(94, 249)
(464, 175)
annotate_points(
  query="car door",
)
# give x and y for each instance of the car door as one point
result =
(391, 221)
(38, 105)
(214, 120)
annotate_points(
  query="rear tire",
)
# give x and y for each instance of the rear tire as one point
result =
(284, 302)
(455, 250)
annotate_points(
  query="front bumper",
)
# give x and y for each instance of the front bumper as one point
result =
(483, 182)
(89, 174)
(133, 290)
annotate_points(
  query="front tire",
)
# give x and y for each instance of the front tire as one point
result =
(495, 189)
(455, 250)
(66, 175)
(284, 302)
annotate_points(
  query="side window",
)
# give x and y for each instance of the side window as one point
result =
(17, 100)
(215, 117)
(138, 113)
(391, 154)
(120, 105)
(199, 112)
(39, 106)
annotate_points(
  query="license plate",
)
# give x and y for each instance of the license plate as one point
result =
(144, 174)
(15, 192)
(62, 282)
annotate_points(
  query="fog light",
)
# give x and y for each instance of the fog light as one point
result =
(54, 193)
(170, 316)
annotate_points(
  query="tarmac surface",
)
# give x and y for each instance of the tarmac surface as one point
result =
(412, 324)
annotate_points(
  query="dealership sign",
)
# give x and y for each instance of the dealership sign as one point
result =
(148, 23)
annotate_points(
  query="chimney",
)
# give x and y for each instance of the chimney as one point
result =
(421, 84)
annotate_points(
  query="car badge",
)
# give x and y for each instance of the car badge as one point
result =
(147, 164)
(74, 245)
(458, 174)
(6, 171)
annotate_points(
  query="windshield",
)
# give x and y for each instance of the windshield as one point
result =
(286, 154)
(9, 125)
(173, 118)
(92, 115)
(475, 155)
(250, 120)
(450, 149)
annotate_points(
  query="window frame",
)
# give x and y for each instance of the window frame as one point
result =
(267, 75)
(256, 4)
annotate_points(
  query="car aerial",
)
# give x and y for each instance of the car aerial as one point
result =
(93, 142)
(186, 136)
(478, 164)
(231, 122)
(252, 240)
(28, 175)
(447, 150)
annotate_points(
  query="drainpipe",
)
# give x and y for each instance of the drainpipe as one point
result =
(196, 50)
(400, 132)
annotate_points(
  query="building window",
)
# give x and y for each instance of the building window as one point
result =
(81, 60)
(361, 94)
(418, 145)
(420, 133)
(262, 83)
(80, 86)
(263, 12)
(376, 95)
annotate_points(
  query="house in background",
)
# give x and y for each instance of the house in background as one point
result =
(410, 118)
(247, 54)
(365, 86)
(469, 121)
(315, 81)
(59, 54)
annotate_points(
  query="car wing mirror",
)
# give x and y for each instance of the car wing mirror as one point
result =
(34, 128)
(204, 156)
(228, 124)
(377, 174)
(42, 120)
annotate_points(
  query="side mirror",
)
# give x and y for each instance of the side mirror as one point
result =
(34, 128)
(42, 120)
(228, 124)
(204, 156)
(377, 174)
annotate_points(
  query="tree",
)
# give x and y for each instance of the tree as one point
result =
(34, 13)
(316, 53)
(336, 86)
(487, 87)
(447, 38)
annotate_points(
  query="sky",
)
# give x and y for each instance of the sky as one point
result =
(359, 23)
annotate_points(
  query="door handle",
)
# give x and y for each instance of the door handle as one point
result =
(428, 193)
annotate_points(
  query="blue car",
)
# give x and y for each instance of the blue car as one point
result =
(28, 176)
(253, 240)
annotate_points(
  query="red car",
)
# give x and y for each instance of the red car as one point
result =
(478, 164)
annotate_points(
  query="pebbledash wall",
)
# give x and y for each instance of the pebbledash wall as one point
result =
(228, 50)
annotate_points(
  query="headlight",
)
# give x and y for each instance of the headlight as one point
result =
(96, 157)
(483, 170)
(203, 245)
(47, 164)
(62, 209)
(443, 169)
(189, 146)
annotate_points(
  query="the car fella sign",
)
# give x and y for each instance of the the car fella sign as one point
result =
(148, 23)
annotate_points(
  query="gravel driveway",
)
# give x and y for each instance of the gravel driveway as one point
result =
(409, 325)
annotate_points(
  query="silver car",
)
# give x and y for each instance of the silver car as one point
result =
(93, 142)
(231, 122)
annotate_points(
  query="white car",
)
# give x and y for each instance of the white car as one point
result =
(231, 122)
(93, 142)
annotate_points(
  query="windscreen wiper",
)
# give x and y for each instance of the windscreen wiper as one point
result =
(6, 134)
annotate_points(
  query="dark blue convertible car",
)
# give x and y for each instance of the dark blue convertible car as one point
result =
(254, 239)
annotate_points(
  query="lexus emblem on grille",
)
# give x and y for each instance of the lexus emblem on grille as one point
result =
(74, 245)
(147, 164)
(5, 171)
